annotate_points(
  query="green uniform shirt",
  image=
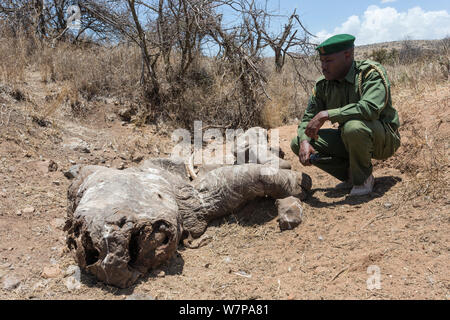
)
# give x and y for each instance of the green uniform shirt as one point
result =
(343, 101)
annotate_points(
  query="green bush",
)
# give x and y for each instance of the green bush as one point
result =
(384, 56)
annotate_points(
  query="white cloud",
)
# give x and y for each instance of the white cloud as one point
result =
(387, 1)
(387, 24)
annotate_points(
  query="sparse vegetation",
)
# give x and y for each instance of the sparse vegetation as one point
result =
(156, 58)
(384, 56)
(85, 87)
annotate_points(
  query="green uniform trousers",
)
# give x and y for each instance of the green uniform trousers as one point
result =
(352, 147)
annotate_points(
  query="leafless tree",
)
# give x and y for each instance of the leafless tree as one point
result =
(171, 35)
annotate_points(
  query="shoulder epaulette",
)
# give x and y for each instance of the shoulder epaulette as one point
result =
(365, 73)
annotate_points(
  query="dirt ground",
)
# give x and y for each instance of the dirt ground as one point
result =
(399, 232)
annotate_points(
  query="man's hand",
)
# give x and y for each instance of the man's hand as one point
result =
(315, 124)
(305, 151)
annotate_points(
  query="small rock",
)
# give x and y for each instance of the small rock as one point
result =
(161, 274)
(242, 273)
(72, 269)
(139, 296)
(10, 283)
(387, 205)
(110, 117)
(51, 272)
(121, 166)
(56, 183)
(77, 144)
(138, 158)
(28, 210)
(320, 238)
(19, 213)
(72, 172)
(52, 166)
(290, 213)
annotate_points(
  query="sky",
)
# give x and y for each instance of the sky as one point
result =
(370, 21)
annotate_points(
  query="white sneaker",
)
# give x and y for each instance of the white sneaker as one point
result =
(365, 188)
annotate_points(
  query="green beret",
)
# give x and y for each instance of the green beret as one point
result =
(336, 43)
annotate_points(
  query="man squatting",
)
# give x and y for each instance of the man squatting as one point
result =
(356, 95)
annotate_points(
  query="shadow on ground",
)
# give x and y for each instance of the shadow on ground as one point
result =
(381, 186)
(256, 212)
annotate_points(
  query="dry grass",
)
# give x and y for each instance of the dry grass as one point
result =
(93, 71)
(15, 52)
(425, 132)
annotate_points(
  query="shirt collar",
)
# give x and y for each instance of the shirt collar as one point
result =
(350, 77)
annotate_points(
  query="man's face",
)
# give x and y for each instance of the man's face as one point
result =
(335, 66)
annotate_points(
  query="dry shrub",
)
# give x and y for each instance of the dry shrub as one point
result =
(289, 94)
(67, 94)
(93, 71)
(212, 92)
(429, 71)
(423, 156)
(423, 159)
(15, 51)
